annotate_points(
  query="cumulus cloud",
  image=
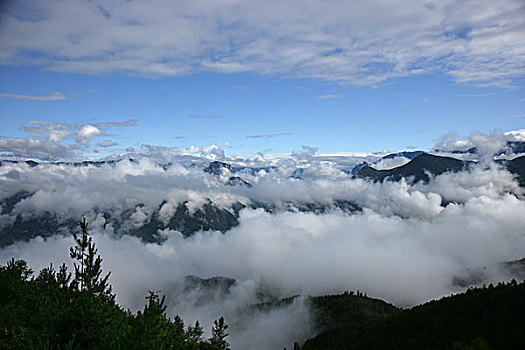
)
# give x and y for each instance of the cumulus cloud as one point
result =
(516, 135)
(57, 141)
(343, 42)
(486, 144)
(52, 97)
(36, 149)
(54, 132)
(449, 142)
(86, 133)
(480, 181)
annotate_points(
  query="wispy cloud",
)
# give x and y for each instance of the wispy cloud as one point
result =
(129, 122)
(515, 115)
(476, 95)
(52, 97)
(359, 44)
(106, 143)
(522, 100)
(269, 136)
(202, 116)
(329, 96)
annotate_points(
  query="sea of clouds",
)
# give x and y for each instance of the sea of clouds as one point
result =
(408, 244)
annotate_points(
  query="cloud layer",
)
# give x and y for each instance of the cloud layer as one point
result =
(402, 261)
(409, 243)
(475, 42)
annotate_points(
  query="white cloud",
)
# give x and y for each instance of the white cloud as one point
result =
(403, 261)
(53, 132)
(449, 142)
(54, 141)
(516, 135)
(35, 149)
(405, 246)
(486, 144)
(86, 133)
(106, 143)
(345, 42)
(268, 136)
(390, 163)
(52, 97)
(329, 96)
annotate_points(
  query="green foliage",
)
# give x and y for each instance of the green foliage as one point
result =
(475, 344)
(155, 330)
(89, 269)
(52, 311)
(218, 339)
(485, 318)
(194, 334)
(336, 310)
(19, 268)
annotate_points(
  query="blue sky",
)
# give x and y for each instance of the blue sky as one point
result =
(256, 79)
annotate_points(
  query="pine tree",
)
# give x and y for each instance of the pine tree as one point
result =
(218, 339)
(47, 275)
(88, 271)
(19, 267)
(63, 277)
(155, 330)
(194, 335)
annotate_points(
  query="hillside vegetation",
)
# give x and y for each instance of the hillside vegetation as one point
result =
(61, 310)
(492, 317)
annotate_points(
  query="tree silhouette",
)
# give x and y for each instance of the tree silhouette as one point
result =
(195, 333)
(218, 339)
(89, 269)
